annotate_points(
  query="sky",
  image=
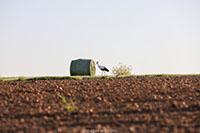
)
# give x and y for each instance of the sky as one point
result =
(42, 37)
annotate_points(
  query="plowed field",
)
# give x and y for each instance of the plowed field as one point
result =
(132, 104)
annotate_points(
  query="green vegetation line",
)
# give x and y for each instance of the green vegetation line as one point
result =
(85, 77)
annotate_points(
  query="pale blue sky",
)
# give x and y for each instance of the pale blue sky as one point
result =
(41, 37)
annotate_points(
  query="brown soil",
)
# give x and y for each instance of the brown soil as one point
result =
(134, 104)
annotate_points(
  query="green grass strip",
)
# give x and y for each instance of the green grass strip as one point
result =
(3, 79)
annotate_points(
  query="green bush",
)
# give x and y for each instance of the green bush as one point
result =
(121, 70)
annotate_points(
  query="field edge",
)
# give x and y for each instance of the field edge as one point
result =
(3, 79)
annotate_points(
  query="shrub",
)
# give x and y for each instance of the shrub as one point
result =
(121, 70)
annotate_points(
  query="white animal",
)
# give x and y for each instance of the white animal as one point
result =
(102, 68)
